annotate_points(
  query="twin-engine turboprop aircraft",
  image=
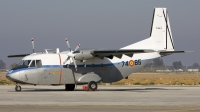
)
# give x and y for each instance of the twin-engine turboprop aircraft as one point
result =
(92, 66)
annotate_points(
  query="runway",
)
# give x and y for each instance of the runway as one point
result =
(107, 98)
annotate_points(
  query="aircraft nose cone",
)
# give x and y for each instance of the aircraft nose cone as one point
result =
(12, 76)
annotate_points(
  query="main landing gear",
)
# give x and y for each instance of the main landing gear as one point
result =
(69, 87)
(18, 88)
(92, 86)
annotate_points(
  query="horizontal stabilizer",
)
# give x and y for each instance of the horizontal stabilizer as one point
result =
(165, 53)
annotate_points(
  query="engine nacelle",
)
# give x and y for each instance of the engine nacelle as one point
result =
(83, 55)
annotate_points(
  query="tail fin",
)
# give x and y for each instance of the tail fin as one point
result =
(160, 34)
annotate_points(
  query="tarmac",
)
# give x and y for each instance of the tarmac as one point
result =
(107, 98)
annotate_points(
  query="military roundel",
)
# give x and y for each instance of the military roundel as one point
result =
(131, 63)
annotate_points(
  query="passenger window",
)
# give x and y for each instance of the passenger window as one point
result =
(38, 63)
(32, 64)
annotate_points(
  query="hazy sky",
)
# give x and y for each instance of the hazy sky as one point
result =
(109, 24)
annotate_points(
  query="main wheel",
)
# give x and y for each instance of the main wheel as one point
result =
(18, 88)
(92, 86)
(69, 87)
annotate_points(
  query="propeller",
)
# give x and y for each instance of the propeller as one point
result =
(22, 55)
(68, 44)
(33, 45)
(71, 54)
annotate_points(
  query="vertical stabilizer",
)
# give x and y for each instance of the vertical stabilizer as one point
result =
(160, 34)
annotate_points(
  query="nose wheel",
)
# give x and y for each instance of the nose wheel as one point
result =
(18, 88)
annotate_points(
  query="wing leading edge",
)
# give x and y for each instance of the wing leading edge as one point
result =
(18, 56)
(118, 53)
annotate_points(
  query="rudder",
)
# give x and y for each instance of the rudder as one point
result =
(160, 34)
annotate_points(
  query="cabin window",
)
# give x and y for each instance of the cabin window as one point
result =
(76, 52)
(38, 63)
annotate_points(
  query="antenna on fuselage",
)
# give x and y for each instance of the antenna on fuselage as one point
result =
(33, 45)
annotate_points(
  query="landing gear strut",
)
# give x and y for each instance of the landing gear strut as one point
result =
(69, 87)
(18, 88)
(92, 86)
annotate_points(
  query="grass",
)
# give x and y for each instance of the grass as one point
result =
(151, 83)
(5, 82)
(159, 81)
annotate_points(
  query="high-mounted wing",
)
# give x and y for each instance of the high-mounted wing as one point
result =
(18, 56)
(89, 54)
(119, 53)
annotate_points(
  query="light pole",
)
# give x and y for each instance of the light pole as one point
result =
(197, 70)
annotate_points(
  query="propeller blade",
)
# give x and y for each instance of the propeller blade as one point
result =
(33, 44)
(74, 64)
(68, 44)
(77, 47)
(66, 60)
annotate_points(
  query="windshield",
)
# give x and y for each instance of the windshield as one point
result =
(28, 63)
(24, 62)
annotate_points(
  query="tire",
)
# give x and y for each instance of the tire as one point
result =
(92, 86)
(69, 87)
(18, 88)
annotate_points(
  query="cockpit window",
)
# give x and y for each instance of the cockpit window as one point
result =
(32, 63)
(38, 63)
(29, 63)
(22, 64)
(25, 62)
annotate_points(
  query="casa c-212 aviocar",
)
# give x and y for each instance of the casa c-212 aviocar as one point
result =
(91, 66)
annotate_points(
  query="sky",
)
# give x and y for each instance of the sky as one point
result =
(101, 24)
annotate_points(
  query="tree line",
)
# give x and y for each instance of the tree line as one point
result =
(2, 65)
(158, 64)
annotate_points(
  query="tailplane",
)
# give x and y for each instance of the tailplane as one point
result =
(160, 34)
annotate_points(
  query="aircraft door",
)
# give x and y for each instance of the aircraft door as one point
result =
(27, 75)
(30, 75)
(46, 76)
(107, 73)
(68, 76)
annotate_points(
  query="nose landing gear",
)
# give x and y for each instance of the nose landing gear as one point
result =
(18, 88)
